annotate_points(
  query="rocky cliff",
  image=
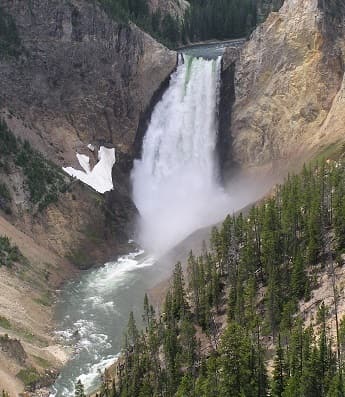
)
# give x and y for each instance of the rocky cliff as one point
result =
(78, 77)
(289, 86)
(71, 77)
(81, 78)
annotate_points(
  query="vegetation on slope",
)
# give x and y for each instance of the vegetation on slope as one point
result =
(10, 254)
(221, 19)
(43, 179)
(203, 20)
(165, 29)
(257, 270)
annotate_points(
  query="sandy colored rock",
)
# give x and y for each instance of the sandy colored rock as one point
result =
(289, 87)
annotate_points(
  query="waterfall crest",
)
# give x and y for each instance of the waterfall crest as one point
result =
(175, 184)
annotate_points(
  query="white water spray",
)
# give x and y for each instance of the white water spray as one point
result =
(175, 184)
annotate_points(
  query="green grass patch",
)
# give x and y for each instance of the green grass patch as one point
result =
(29, 376)
(5, 323)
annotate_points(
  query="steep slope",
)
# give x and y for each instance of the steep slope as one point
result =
(250, 295)
(69, 76)
(81, 78)
(289, 85)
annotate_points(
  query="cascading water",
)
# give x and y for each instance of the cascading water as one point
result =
(176, 190)
(175, 187)
(175, 183)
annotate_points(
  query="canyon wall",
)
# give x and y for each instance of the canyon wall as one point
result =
(76, 77)
(289, 84)
(79, 78)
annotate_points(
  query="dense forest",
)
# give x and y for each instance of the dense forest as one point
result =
(231, 324)
(203, 19)
(224, 19)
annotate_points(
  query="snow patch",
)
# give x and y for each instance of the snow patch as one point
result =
(100, 177)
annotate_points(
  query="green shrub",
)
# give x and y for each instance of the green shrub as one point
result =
(10, 254)
(43, 179)
(4, 323)
(29, 376)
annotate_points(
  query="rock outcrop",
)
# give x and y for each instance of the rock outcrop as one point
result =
(81, 78)
(13, 348)
(289, 86)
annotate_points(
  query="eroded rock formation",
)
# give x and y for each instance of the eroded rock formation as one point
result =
(81, 78)
(289, 86)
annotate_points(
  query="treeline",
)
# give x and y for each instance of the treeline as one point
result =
(257, 269)
(203, 19)
(219, 19)
(224, 19)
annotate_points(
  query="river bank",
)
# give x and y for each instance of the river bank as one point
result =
(26, 306)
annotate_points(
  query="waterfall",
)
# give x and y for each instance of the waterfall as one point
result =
(175, 183)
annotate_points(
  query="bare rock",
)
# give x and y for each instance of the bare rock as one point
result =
(13, 349)
(82, 77)
(289, 83)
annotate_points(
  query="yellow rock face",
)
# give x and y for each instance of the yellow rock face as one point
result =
(290, 94)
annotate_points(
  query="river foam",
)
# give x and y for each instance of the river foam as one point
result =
(97, 312)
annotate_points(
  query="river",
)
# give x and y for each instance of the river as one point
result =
(92, 314)
(176, 190)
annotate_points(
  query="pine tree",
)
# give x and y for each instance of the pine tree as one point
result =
(279, 377)
(298, 278)
(79, 390)
(179, 303)
(235, 350)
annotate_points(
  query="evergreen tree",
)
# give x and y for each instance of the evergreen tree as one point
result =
(79, 390)
(280, 373)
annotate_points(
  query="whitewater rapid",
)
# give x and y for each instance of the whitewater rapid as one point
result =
(176, 182)
(92, 315)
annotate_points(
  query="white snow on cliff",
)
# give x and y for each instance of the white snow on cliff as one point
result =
(99, 178)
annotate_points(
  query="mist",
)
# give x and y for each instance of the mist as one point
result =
(176, 184)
